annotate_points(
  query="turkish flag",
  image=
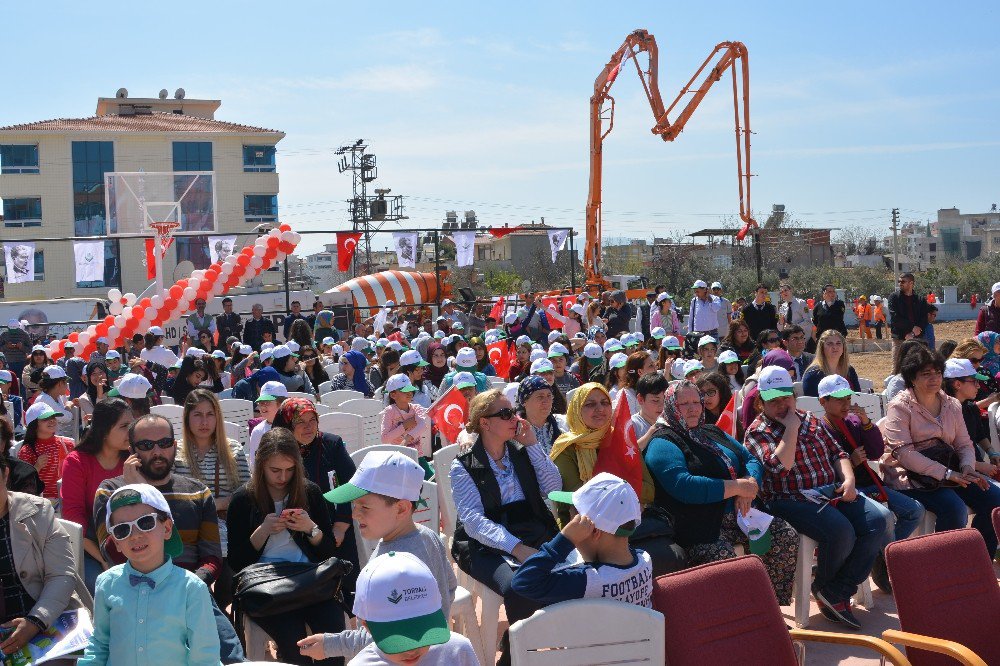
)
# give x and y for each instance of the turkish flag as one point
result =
(448, 414)
(499, 357)
(150, 258)
(619, 453)
(727, 419)
(497, 311)
(346, 244)
(500, 232)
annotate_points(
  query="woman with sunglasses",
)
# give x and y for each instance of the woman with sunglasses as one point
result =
(38, 571)
(327, 464)
(37, 361)
(767, 340)
(309, 358)
(100, 456)
(205, 342)
(961, 381)
(281, 516)
(500, 486)
(96, 380)
(715, 395)
(208, 455)
(832, 358)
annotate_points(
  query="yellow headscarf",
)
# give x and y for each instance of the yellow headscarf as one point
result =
(586, 441)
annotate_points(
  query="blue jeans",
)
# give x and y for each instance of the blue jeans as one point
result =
(908, 511)
(951, 506)
(230, 647)
(850, 536)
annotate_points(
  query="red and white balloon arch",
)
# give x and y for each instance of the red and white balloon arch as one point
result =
(129, 317)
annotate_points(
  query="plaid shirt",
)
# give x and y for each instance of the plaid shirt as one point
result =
(815, 456)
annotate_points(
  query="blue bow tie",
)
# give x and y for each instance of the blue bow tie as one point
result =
(136, 581)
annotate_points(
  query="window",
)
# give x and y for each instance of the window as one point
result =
(91, 160)
(112, 267)
(39, 265)
(193, 249)
(19, 159)
(259, 208)
(258, 158)
(192, 155)
(22, 212)
(933, 247)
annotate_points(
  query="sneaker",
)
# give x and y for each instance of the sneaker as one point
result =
(841, 610)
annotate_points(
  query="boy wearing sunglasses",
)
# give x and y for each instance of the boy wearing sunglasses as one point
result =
(149, 605)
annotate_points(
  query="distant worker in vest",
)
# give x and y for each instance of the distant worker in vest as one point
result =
(198, 321)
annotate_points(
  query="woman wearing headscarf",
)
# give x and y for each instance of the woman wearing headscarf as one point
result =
(703, 477)
(437, 356)
(324, 328)
(588, 420)
(534, 405)
(990, 365)
(352, 374)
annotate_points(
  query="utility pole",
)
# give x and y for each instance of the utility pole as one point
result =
(895, 245)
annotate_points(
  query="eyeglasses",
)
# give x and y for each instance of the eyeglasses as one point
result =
(146, 523)
(504, 414)
(711, 393)
(150, 444)
(968, 380)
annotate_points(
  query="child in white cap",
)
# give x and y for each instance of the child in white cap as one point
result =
(608, 512)
(403, 422)
(384, 494)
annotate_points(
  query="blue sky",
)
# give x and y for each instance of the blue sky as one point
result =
(856, 107)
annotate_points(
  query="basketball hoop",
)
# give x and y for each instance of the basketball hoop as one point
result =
(164, 230)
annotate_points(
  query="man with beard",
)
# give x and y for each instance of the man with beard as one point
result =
(151, 440)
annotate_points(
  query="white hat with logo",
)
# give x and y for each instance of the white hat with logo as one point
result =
(54, 372)
(693, 365)
(834, 386)
(775, 382)
(463, 380)
(132, 386)
(541, 365)
(592, 350)
(557, 349)
(957, 368)
(466, 358)
(699, 284)
(399, 382)
(387, 473)
(412, 357)
(618, 360)
(271, 391)
(728, 356)
(607, 500)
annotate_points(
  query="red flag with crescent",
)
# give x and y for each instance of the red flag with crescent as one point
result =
(500, 232)
(727, 419)
(619, 452)
(497, 311)
(346, 244)
(448, 413)
(499, 357)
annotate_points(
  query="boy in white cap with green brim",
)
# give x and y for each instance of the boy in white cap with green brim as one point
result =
(384, 493)
(272, 394)
(608, 512)
(149, 610)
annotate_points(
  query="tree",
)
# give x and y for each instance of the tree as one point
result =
(500, 282)
(862, 240)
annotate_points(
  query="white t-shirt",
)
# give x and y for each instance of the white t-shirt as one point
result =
(159, 355)
(256, 434)
(631, 585)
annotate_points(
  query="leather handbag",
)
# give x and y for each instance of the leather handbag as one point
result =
(939, 452)
(271, 588)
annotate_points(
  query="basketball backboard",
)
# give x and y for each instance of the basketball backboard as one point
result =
(136, 200)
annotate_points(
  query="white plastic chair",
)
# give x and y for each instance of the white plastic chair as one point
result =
(236, 410)
(336, 398)
(569, 394)
(75, 533)
(443, 459)
(301, 394)
(166, 400)
(810, 404)
(803, 583)
(350, 427)
(359, 455)
(871, 403)
(497, 382)
(796, 389)
(174, 414)
(993, 426)
(241, 433)
(379, 394)
(222, 395)
(325, 386)
(589, 631)
(361, 407)
(866, 385)
(323, 409)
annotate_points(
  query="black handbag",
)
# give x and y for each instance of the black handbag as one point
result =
(941, 453)
(271, 588)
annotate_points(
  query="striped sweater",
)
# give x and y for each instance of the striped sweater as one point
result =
(193, 510)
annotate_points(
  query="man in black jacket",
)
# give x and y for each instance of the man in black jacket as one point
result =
(254, 329)
(619, 314)
(228, 324)
(828, 313)
(760, 315)
(907, 310)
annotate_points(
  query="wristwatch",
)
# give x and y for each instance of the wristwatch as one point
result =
(314, 531)
(947, 475)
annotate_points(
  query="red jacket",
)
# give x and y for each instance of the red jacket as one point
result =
(988, 319)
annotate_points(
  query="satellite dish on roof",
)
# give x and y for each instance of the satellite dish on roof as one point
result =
(122, 93)
(179, 93)
(183, 270)
(163, 93)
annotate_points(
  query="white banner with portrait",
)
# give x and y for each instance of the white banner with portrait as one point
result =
(20, 258)
(220, 247)
(89, 256)
(406, 249)
(465, 247)
(557, 241)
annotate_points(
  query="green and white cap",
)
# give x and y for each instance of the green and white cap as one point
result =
(618, 361)
(756, 525)
(959, 368)
(39, 411)
(693, 365)
(398, 598)
(143, 493)
(834, 386)
(775, 382)
(399, 382)
(607, 500)
(463, 380)
(271, 391)
(388, 473)
(413, 357)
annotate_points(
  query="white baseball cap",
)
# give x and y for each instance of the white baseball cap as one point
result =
(398, 598)
(390, 304)
(537, 354)
(716, 285)
(156, 331)
(6, 377)
(266, 354)
(522, 340)
(282, 351)
(541, 365)
(956, 368)
(328, 340)
(510, 318)
(663, 296)
(463, 380)
(554, 335)
(395, 345)
(195, 352)
(728, 356)
(103, 341)
(607, 500)
(579, 309)
(218, 353)
(267, 345)
(39, 411)
(629, 340)
(445, 302)
(612, 344)
(694, 365)
(294, 346)
(466, 358)
(639, 336)
(272, 391)
(995, 288)
(132, 386)
(457, 326)
(593, 350)
(413, 357)
(399, 382)
(382, 342)
(671, 342)
(41, 348)
(707, 340)
(246, 350)
(677, 368)
(658, 333)
(834, 386)
(387, 473)
(112, 353)
(143, 493)
(557, 349)
(775, 382)
(54, 372)
(359, 344)
(69, 345)
(699, 284)
(618, 360)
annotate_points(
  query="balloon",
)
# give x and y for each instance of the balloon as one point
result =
(212, 274)
(129, 297)
(256, 263)
(258, 250)
(115, 308)
(285, 227)
(114, 294)
(198, 274)
(194, 283)
(101, 330)
(157, 301)
(243, 260)
(113, 334)
(176, 292)
(74, 336)
(83, 338)
(182, 283)
(273, 242)
(189, 294)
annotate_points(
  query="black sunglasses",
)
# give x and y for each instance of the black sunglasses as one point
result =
(150, 444)
(504, 414)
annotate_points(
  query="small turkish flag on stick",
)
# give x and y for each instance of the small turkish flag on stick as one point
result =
(619, 453)
(448, 414)
(346, 244)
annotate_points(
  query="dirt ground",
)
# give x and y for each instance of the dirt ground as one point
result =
(877, 365)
